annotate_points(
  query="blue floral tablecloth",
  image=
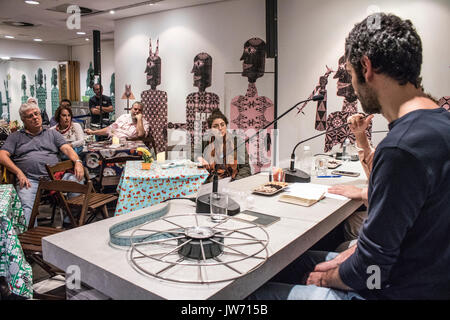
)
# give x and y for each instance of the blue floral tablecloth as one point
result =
(143, 188)
(13, 265)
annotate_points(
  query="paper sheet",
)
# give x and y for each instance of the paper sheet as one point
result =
(312, 191)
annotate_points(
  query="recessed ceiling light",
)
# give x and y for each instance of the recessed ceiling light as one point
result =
(9, 37)
(37, 39)
(5, 58)
(112, 11)
(81, 32)
(87, 39)
(31, 2)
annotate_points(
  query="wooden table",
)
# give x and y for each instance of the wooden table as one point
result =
(107, 268)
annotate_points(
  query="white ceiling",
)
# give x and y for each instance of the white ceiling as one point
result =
(50, 26)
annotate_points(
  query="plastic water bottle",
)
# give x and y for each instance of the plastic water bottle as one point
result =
(345, 150)
(307, 159)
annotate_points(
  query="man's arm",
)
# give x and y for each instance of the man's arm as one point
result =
(72, 155)
(99, 132)
(5, 159)
(140, 126)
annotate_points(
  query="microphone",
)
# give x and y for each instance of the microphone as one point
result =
(318, 97)
(294, 175)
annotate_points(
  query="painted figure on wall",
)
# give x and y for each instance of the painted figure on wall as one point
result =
(90, 82)
(55, 91)
(155, 101)
(200, 104)
(349, 107)
(32, 90)
(41, 91)
(23, 86)
(252, 111)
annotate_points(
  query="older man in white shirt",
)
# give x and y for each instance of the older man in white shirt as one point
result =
(131, 125)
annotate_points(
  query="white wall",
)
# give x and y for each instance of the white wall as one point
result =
(38, 51)
(84, 54)
(311, 35)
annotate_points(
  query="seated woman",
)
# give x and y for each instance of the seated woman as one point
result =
(223, 143)
(71, 131)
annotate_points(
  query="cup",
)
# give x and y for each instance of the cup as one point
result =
(218, 205)
(321, 166)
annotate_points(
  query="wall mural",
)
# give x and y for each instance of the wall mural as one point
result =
(90, 82)
(55, 90)
(5, 113)
(252, 111)
(23, 86)
(349, 107)
(112, 90)
(155, 101)
(444, 102)
(321, 109)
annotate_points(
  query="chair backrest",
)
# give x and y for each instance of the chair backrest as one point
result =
(63, 166)
(149, 142)
(60, 186)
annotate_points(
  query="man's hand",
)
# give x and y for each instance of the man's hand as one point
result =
(348, 191)
(79, 171)
(89, 131)
(23, 180)
(204, 163)
(359, 124)
(139, 117)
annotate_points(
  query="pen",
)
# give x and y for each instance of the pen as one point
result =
(329, 176)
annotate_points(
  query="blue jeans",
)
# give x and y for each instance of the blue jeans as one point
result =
(286, 285)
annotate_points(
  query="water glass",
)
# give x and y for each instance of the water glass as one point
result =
(219, 205)
(321, 166)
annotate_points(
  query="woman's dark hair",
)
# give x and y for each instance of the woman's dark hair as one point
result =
(392, 45)
(216, 114)
(60, 109)
(66, 100)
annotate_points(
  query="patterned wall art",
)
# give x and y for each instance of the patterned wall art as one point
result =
(349, 107)
(90, 78)
(251, 111)
(55, 90)
(155, 101)
(444, 102)
(23, 86)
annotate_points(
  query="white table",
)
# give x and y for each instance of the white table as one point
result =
(108, 270)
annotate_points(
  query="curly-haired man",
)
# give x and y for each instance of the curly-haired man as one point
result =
(403, 249)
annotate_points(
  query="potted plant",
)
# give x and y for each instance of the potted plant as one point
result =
(146, 157)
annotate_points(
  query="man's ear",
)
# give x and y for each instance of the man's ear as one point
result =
(367, 69)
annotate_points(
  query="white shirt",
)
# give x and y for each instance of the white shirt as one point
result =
(124, 127)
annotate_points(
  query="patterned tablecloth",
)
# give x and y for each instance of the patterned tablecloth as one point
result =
(13, 265)
(143, 188)
(96, 151)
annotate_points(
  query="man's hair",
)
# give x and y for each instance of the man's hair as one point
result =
(392, 45)
(139, 103)
(216, 114)
(25, 107)
(60, 109)
(98, 84)
(66, 100)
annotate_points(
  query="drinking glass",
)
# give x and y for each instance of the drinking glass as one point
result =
(219, 205)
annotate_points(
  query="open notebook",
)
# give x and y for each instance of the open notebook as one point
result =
(306, 194)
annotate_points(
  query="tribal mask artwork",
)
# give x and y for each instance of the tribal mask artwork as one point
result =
(254, 59)
(202, 71)
(344, 83)
(444, 102)
(153, 69)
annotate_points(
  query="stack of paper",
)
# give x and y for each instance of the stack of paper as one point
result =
(306, 194)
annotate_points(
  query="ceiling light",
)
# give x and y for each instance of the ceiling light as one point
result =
(81, 32)
(87, 39)
(9, 37)
(31, 2)
(37, 39)
(5, 58)
(112, 11)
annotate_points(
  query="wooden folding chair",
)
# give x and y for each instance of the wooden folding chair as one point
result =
(88, 200)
